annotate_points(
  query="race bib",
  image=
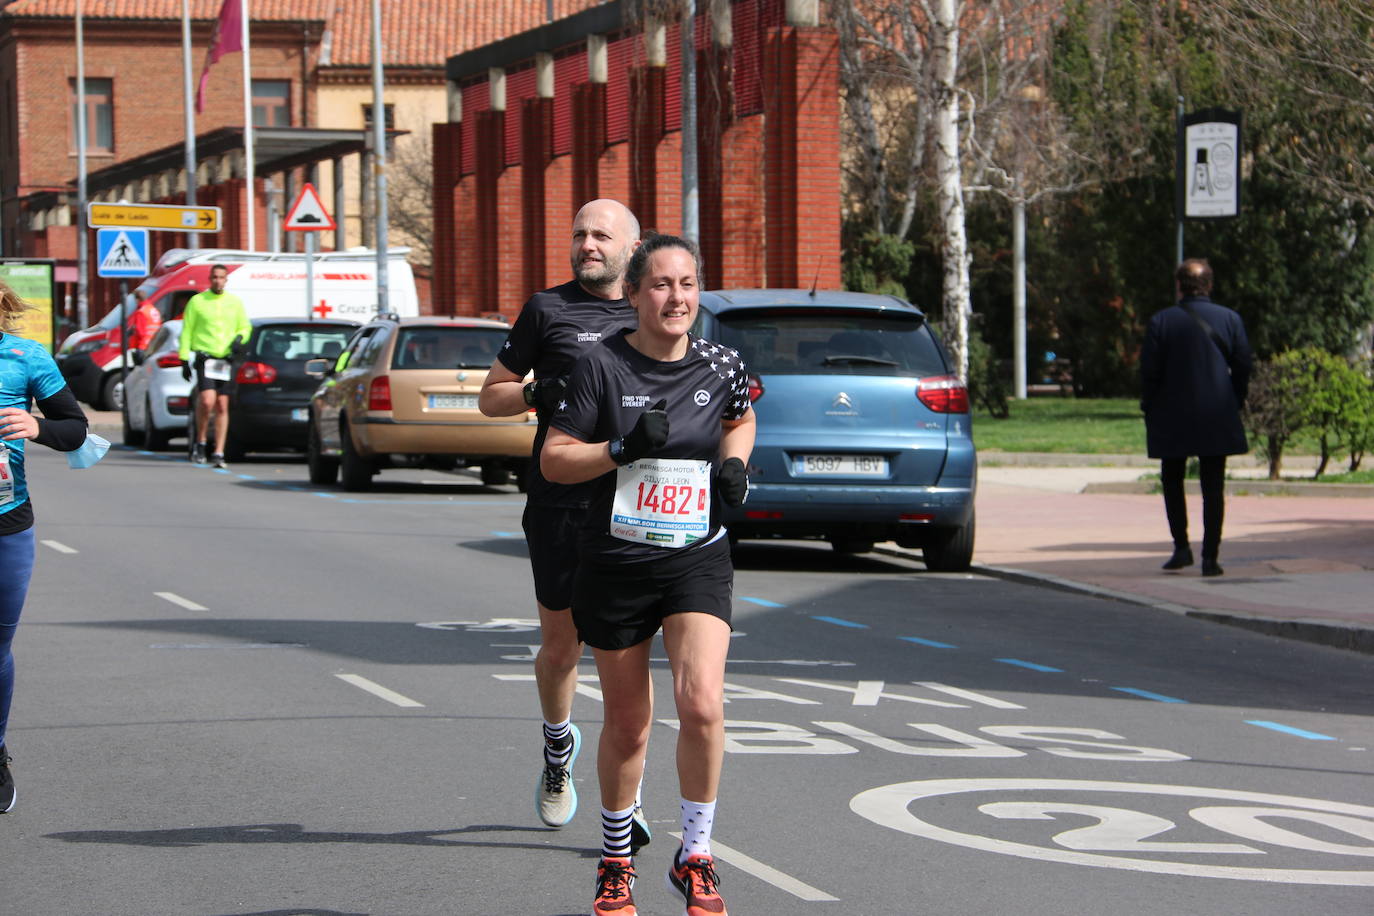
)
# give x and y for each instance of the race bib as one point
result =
(6, 476)
(665, 502)
(217, 369)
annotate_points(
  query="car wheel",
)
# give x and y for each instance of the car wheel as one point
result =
(851, 545)
(355, 471)
(950, 549)
(112, 393)
(154, 439)
(131, 436)
(323, 469)
(494, 474)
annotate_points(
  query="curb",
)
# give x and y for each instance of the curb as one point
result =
(1357, 639)
(1244, 488)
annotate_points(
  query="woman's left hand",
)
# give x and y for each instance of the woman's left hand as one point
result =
(17, 423)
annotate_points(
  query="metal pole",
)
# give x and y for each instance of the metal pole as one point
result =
(189, 113)
(1018, 298)
(379, 159)
(1181, 180)
(82, 240)
(248, 156)
(309, 274)
(124, 347)
(690, 214)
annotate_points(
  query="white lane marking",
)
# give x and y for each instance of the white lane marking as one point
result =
(767, 873)
(180, 601)
(59, 546)
(969, 695)
(378, 690)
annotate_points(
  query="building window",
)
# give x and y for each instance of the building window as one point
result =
(390, 113)
(99, 114)
(271, 103)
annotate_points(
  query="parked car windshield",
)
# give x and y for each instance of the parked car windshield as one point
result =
(843, 342)
(447, 347)
(300, 341)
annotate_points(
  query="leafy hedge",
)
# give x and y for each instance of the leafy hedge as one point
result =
(1315, 391)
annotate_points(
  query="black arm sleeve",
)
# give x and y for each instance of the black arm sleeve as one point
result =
(63, 425)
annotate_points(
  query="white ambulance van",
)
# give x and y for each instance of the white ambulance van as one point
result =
(271, 285)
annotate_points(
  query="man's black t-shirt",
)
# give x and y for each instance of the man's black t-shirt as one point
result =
(613, 384)
(556, 327)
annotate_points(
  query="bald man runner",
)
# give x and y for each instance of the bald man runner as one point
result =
(556, 327)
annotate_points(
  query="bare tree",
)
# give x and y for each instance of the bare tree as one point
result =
(410, 199)
(1322, 53)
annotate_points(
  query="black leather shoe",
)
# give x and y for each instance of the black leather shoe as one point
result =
(1211, 568)
(1183, 556)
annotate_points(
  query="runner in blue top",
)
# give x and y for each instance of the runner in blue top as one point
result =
(27, 375)
(660, 423)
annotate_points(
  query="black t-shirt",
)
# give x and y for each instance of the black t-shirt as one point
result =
(556, 327)
(608, 390)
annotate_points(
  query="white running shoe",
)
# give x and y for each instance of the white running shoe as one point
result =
(555, 798)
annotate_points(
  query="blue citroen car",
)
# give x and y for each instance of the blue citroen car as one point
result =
(864, 430)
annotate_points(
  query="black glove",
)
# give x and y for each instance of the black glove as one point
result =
(649, 434)
(732, 480)
(545, 394)
(238, 347)
(186, 371)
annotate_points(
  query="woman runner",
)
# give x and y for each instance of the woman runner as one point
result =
(654, 554)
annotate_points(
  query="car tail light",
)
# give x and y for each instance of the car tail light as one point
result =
(762, 515)
(943, 394)
(169, 361)
(915, 517)
(178, 404)
(755, 388)
(379, 394)
(255, 373)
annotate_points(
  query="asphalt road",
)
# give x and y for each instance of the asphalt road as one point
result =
(241, 694)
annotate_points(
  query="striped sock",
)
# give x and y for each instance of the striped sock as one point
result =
(558, 743)
(615, 832)
(697, 820)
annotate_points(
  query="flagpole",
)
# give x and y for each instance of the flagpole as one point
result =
(82, 233)
(189, 111)
(248, 131)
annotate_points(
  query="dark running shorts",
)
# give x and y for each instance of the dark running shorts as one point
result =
(222, 386)
(619, 605)
(551, 532)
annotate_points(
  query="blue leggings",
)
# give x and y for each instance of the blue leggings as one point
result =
(16, 566)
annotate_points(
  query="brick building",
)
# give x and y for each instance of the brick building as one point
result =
(589, 106)
(311, 86)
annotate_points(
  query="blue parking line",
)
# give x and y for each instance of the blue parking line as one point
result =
(1031, 665)
(327, 495)
(842, 623)
(928, 642)
(247, 477)
(1148, 695)
(1290, 730)
(761, 601)
(506, 534)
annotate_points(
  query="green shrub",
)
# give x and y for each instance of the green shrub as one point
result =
(1314, 391)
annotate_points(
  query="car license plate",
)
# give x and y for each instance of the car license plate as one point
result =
(463, 401)
(300, 414)
(839, 466)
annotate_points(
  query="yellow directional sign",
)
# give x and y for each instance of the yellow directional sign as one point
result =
(154, 216)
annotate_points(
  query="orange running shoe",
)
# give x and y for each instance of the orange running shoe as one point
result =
(615, 877)
(696, 881)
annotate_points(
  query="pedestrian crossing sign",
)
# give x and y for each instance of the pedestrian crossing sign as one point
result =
(121, 252)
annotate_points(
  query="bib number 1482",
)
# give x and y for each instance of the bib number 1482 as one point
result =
(667, 499)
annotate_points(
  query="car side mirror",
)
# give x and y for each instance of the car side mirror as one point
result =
(318, 368)
(136, 357)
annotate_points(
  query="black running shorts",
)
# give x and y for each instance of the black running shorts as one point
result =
(618, 605)
(551, 532)
(220, 386)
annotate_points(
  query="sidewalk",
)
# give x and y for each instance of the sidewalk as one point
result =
(1296, 565)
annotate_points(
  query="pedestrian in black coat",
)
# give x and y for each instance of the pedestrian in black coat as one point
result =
(1194, 373)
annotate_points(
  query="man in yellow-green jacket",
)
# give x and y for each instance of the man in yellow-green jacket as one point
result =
(212, 327)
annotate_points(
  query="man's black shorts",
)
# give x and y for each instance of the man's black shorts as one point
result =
(552, 533)
(222, 386)
(618, 605)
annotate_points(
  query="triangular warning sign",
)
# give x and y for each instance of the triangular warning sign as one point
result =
(307, 214)
(124, 255)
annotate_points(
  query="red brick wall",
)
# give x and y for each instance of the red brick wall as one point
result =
(446, 143)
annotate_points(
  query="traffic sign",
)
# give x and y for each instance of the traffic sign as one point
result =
(154, 216)
(308, 214)
(121, 252)
(1209, 179)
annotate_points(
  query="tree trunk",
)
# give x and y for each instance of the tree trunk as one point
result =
(944, 51)
(1275, 457)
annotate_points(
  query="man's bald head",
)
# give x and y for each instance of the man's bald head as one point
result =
(604, 235)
